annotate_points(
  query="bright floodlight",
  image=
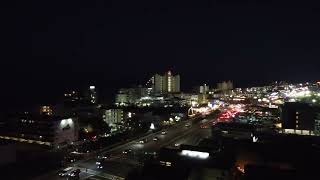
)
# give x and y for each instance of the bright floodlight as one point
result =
(152, 126)
(195, 154)
(70, 121)
(63, 122)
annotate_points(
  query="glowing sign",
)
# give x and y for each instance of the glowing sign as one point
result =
(195, 154)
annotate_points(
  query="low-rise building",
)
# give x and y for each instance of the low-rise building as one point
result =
(300, 118)
(45, 130)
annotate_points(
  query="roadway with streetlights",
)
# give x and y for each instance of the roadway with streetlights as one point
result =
(123, 158)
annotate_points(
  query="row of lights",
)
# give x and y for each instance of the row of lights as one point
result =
(25, 140)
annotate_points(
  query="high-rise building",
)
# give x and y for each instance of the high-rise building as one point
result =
(92, 94)
(204, 89)
(157, 81)
(168, 83)
(225, 86)
(230, 85)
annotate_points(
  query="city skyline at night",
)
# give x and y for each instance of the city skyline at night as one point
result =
(147, 90)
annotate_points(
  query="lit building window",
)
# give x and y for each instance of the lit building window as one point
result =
(46, 110)
(169, 84)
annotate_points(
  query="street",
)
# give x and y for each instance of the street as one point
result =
(124, 158)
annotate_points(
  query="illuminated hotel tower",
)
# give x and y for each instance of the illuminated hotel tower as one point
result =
(167, 83)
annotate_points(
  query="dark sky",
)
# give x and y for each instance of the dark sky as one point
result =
(50, 46)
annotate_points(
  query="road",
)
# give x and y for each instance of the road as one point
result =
(119, 164)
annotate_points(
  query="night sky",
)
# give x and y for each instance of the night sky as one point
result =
(51, 46)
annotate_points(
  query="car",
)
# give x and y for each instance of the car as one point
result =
(143, 141)
(204, 126)
(163, 132)
(65, 172)
(150, 153)
(100, 160)
(74, 173)
(176, 145)
(103, 157)
(99, 164)
(155, 139)
(127, 151)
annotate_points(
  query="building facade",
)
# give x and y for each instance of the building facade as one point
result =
(128, 96)
(204, 89)
(44, 130)
(113, 116)
(131, 96)
(300, 118)
(225, 86)
(167, 83)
